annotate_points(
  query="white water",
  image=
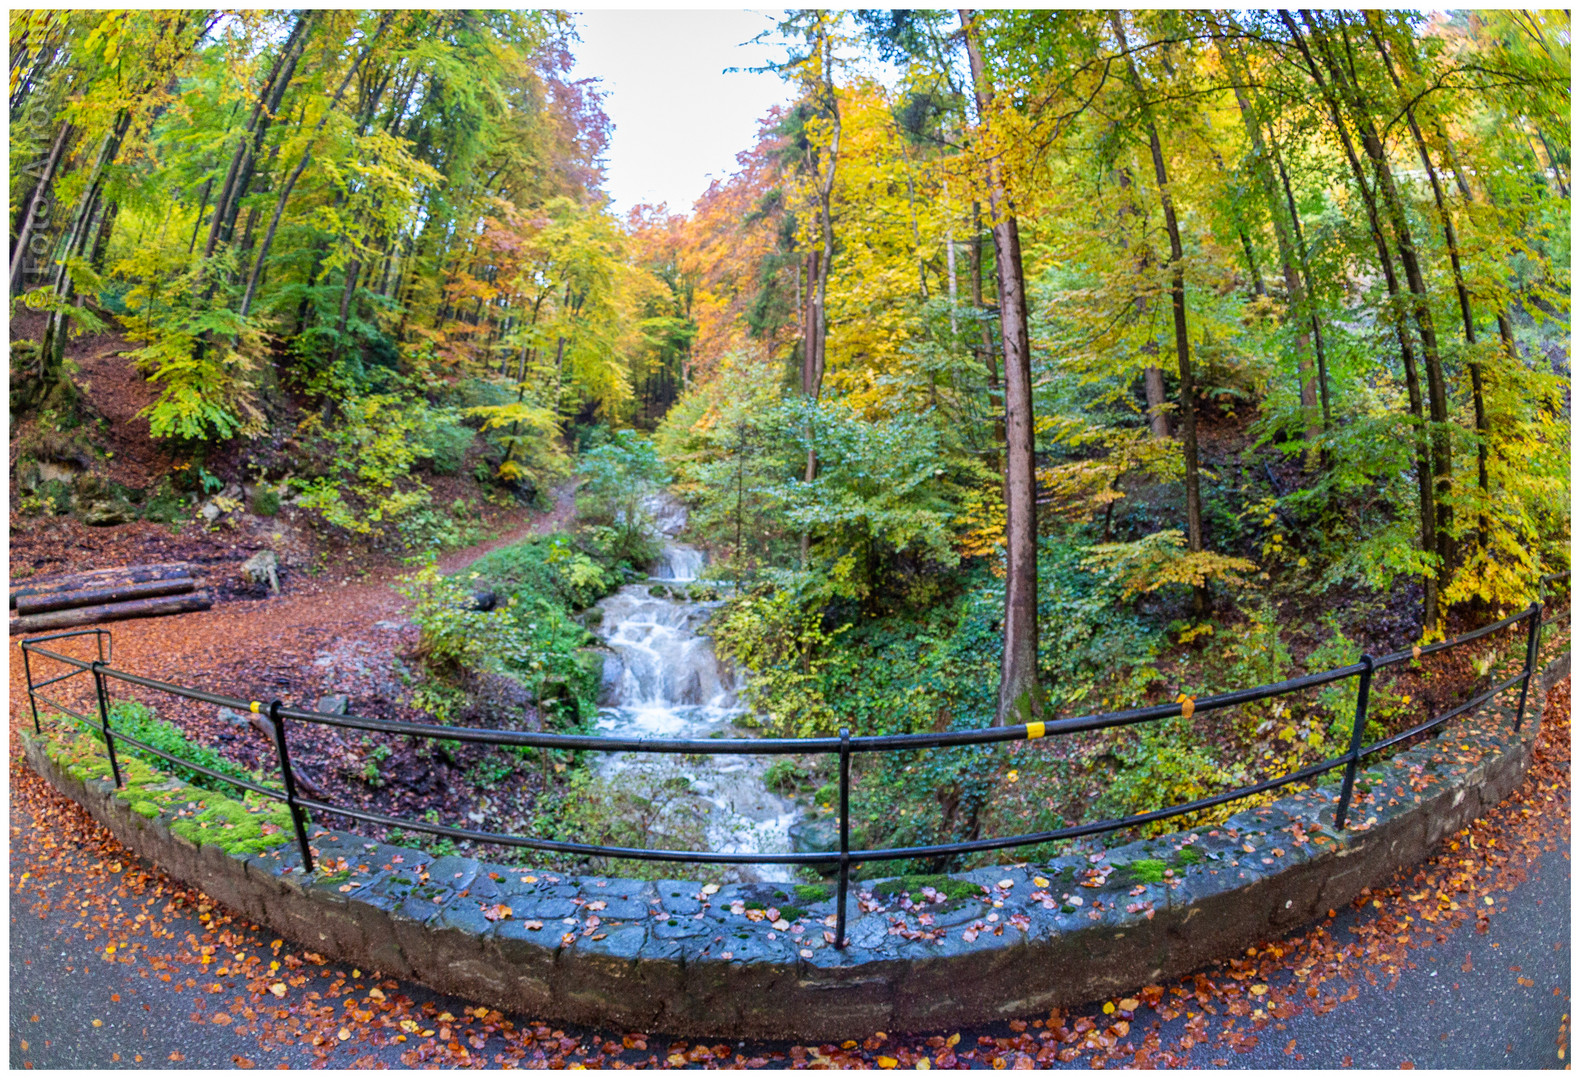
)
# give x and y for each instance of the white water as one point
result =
(664, 681)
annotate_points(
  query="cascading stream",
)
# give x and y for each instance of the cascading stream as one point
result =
(662, 680)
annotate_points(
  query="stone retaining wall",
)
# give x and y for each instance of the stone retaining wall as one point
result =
(686, 958)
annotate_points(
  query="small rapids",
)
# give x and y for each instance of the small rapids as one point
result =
(662, 680)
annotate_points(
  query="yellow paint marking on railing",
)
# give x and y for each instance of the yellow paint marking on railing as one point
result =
(1035, 729)
(254, 706)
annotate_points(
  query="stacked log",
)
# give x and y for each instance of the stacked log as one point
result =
(60, 601)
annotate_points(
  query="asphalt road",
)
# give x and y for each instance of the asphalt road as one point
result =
(70, 1008)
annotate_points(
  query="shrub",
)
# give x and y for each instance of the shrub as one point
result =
(530, 639)
(619, 474)
(786, 649)
(448, 443)
(138, 721)
(266, 502)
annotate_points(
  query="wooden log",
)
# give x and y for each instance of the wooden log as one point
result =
(39, 603)
(100, 613)
(89, 579)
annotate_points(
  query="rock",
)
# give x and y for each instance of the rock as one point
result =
(211, 513)
(262, 568)
(66, 472)
(482, 600)
(231, 716)
(817, 834)
(108, 512)
(333, 704)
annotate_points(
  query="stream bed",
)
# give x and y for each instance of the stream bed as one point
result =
(662, 680)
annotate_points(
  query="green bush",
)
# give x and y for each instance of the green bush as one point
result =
(448, 443)
(266, 502)
(138, 721)
(526, 637)
(618, 473)
(546, 568)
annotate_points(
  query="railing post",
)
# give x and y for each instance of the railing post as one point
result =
(845, 835)
(104, 720)
(1353, 756)
(1531, 660)
(27, 669)
(289, 780)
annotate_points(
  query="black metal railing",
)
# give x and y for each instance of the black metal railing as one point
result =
(844, 745)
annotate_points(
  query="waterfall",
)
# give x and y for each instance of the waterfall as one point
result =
(661, 679)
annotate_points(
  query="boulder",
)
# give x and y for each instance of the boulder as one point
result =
(817, 834)
(263, 568)
(108, 512)
(333, 705)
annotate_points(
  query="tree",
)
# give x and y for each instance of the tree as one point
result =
(1020, 696)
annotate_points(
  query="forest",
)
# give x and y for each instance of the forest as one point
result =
(1084, 360)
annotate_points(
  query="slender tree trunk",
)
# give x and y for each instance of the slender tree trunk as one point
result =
(239, 176)
(1177, 297)
(40, 193)
(985, 342)
(1287, 253)
(1020, 696)
(1452, 245)
(52, 349)
(1152, 375)
(1438, 398)
(1429, 532)
(307, 154)
(101, 242)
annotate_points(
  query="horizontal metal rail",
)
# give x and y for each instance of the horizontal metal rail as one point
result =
(276, 715)
(213, 774)
(1443, 718)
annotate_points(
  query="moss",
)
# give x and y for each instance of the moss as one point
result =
(1188, 856)
(949, 887)
(792, 913)
(231, 825)
(813, 894)
(1148, 871)
(335, 878)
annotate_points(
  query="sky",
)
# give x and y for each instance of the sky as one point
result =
(679, 119)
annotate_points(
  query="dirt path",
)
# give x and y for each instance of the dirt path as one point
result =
(557, 518)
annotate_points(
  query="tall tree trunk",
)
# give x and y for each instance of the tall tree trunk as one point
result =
(1452, 245)
(1177, 297)
(101, 242)
(296, 174)
(1020, 696)
(1152, 375)
(52, 349)
(239, 176)
(985, 341)
(1438, 397)
(1294, 287)
(1431, 582)
(813, 353)
(37, 198)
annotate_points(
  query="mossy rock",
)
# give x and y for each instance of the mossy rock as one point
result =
(814, 894)
(951, 888)
(196, 814)
(1144, 871)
